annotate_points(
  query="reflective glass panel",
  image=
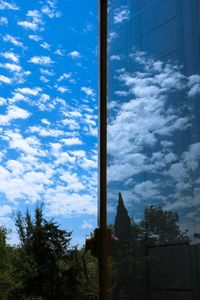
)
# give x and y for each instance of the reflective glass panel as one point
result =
(154, 148)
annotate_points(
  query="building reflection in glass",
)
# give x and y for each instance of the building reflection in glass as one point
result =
(154, 148)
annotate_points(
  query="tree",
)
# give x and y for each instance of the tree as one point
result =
(130, 252)
(3, 260)
(9, 269)
(126, 256)
(48, 265)
(122, 225)
(43, 266)
(161, 226)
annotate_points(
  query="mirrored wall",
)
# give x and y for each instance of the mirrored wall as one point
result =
(154, 148)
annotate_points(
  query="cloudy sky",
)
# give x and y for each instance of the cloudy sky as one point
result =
(48, 111)
(49, 115)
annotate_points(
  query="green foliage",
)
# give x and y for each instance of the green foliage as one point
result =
(43, 266)
(9, 268)
(47, 263)
(161, 226)
(91, 290)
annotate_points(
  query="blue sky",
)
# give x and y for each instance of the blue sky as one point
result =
(48, 111)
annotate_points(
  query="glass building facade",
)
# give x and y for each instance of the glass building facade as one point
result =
(153, 170)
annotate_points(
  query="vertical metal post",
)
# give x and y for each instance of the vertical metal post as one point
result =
(100, 242)
(104, 251)
(102, 112)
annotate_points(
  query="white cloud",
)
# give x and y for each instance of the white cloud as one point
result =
(71, 123)
(8, 5)
(5, 209)
(35, 37)
(74, 114)
(181, 171)
(146, 118)
(193, 79)
(194, 85)
(187, 187)
(87, 164)
(61, 157)
(88, 91)
(60, 52)
(44, 79)
(78, 153)
(41, 60)
(191, 157)
(46, 122)
(46, 132)
(33, 23)
(29, 91)
(46, 103)
(56, 148)
(17, 97)
(3, 101)
(59, 202)
(92, 131)
(12, 56)
(115, 57)
(35, 15)
(121, 14)
(16, 167)
(72, 141)
(111, 36)
(24, 145)
(64, 76)
(45, 97)
(90, 119)
(121, 94)
(168, 174)
(194, 91)
(87, 225)
(28, 25)
(74, 54)
(50, 12)
(72, 181)
(5, 79)
(13, 113)
(18, 183)
(147, 190)
(63, 89)
(122, 171)
(3, 21)
(45, 45)
(15, 41)
(11, 67)
(47, 72)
